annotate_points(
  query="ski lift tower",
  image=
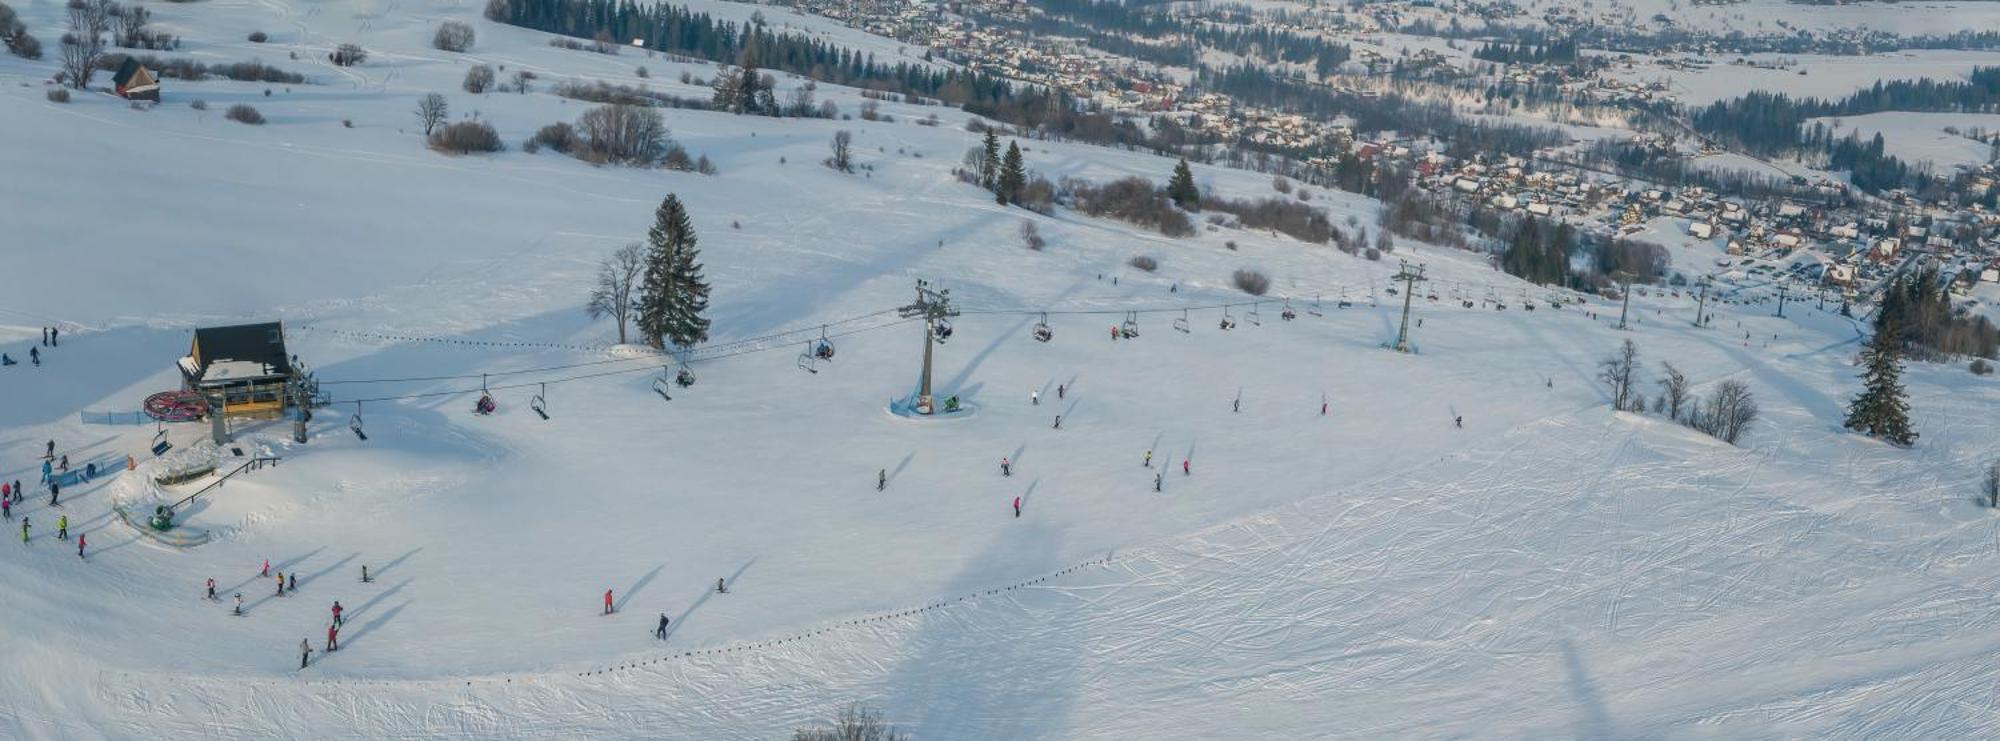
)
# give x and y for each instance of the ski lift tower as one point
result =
(933, 305)
(1409, 279)
(1625, 287)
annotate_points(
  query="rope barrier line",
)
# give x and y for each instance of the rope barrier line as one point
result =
(850, 622)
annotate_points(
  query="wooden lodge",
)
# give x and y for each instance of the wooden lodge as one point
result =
(134, 82)
(245, 365)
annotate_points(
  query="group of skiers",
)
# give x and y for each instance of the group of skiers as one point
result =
(289, 584)
(49, 337)
(53, 467)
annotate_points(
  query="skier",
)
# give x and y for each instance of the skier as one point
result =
(18, 491)
(305, 651)
(24, 529)
(1006, 467)
(1114, 333)
(47, 470)
(4, 360)
(1322, 409)
(332, 638)
(65, 463)
(45, 337)
(7, 508)
(1149, 458)
(62, 527)
(1185, 471)
(53, 337)
(6, 491)
(80, 540)
(55, 490)
(336, 612)
(607, 601)
(293, 586)
(35, 356)
(1017, 506)
(661, 632)
(364, 574)
(1060, 389)
(281, 583)
(1035, 397)
(1236, 405)
(720, 586)
(267, 569)
(239, 604)
(881, 479)
(1460, 421)
(1156, 482)
(211, 588)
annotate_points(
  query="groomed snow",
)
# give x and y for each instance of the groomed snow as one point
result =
(1550, 569)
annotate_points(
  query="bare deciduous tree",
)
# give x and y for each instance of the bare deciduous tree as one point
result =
(855, 723)
(432, 110)
(1031, 236)
(478, 79)
(453, 36)
(624, 134)
(1673, 391)
(617, 277)
(1621, 372)
(1727, 411)
(843, 151)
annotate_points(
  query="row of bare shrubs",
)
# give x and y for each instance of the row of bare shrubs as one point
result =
(620, 134)
(603, 92)
(1297, 220)
(1133, 200)
(188, 69)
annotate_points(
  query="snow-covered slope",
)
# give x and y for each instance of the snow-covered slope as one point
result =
(1548, 568)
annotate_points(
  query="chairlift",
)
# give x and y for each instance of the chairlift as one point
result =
(541, 403)
(485, 404)
(1288, 314)
(1432, 296)
(807, 358)
(354, 423)
(1227, 322)
(684, 377)
(1314, 308)
(1391, 290)
(160, 443)
(662, 384)
(824, 349)
(1181, 324)
(1256, 320)
(1130, 328)
(1042, 331)
(942, 330)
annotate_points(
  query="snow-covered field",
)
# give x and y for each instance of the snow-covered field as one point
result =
(1551, 568)
(1921, 138)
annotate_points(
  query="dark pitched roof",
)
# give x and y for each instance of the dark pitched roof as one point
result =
(261, 344)
(125, 72)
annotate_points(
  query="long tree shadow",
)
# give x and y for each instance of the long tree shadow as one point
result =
(328, 570)
(1593, 721)
(706, 593)
(348, 641)
(276, 568)
(397, 561)
(363, 608)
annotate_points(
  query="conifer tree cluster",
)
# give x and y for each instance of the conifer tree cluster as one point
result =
(1883, 409)
(1182, 189)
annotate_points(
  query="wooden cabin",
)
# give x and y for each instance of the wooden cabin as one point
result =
(134, 82)
(246, 365)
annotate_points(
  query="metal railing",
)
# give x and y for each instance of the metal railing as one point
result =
(249, 465)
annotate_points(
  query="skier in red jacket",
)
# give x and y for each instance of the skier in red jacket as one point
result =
(607, 601)
(1017, 506)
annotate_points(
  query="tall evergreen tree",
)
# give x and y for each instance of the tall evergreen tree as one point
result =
(1882, 409)
(673, 295)
(1182, 188)
(1013, 176)
(989, 162)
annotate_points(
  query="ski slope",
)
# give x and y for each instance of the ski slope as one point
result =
(1551, 568)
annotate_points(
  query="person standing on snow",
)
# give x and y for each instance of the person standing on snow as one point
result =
(1017, 506)
(305, 651)
(7, 508)
(607, 601)
(720, 587)
(661, 632)
(332, 638)
(293, 585)
(211, 588)
(281, 583)
(62, 527)
(1149, 458)
(18, 491)
(1035, 397)
(881, 479)
(239, 604)
(336, 612)
(80, 540)
(1184, 468)
(6, 490)
(24, 529)
(1006, 467)
(1156, 482)
(1060, 390)
(55, 490)
(35, 356)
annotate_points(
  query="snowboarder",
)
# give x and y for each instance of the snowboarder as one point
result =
(62, 527)
(80, 540)
(293, 585)
(239, 604)
(211, 589)
(607, 601)
(267, 569)
(1035, 397)
(1156, 482)
(661, 631)
(1006, 467)
(1017, 506)
(364, 574)
(1185, 471)
(336, 612)
(1149, 458)
(721, 587)
(333, 638)
(1058, 422)
(305, 651)
(881, 479)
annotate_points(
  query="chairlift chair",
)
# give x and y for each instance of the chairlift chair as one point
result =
(1042, 331)
(354, 423)
(1256, 320)
(1288, 314)
(662, 384)
(541, 403)
(1130, 328)
(1227, 322)
(485, 404)
(1314, 308)
(824, 349)
(683, 377)
(807, 358)
(1181, 324)
(160, 443)
(942, 330)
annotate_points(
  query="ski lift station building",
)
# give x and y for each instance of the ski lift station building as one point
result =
(244, 365)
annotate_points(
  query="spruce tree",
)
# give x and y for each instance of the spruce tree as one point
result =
(1182, 188)
(1013, 176)
(989, 161)
(672, 296)
(1882, 410)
